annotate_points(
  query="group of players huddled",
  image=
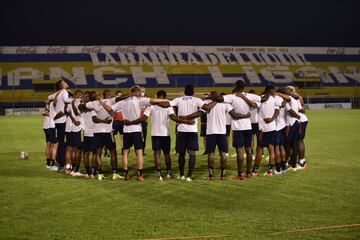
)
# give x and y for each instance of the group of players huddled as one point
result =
(81, 125)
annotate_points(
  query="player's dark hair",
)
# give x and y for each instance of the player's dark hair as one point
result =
(92, 96)
(189, 90)
(268, 88)
(213, 93)
(161, 93)
(118, 91)
(222, 94)
(135, 88)
(282, 90)
(252, 91)
(106, 92)
(239, 85)
(58, 85)
(77, 91)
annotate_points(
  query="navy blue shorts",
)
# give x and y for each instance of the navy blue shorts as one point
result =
(187, 141)
(264, 139)
(60, 132)
(292, 133)
(133, 139)
(228, 128)
(280, 137)
(303, 126)
(242, 138)
(161, 143)
(89, 144)
(118, 127)
(255, 128)
(104, 140)
(202, 130)
(68, 138)
(219, 140)
(50, 135)
(73, 139)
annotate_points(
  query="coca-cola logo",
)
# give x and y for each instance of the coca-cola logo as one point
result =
(57, 50)
(88, 50)
(26, 50)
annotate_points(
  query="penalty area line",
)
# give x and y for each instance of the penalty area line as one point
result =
(192, 237)
(317, 229)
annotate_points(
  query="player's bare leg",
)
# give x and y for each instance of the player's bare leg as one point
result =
(168, 165)
(157, 163)
(126, 164)
(192, 161)
(223, 162)
(211, 166)
(249, 153)
(240, 162)
(258, 158)
(139, 164)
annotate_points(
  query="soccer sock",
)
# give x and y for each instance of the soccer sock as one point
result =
(99, 171)
(126, 172)
(270, 167)
(48, 161)
(181, 164)
(139, 172)
(168, 172)
(52, 162)
(223, 172)
(211, 171)
(158, 172)
(283, 165)
(114, 171)
(192, 160)
(278, 167)
(240, 173)
(93, 171)
(88, 170)
(76, 169)
(255, 168)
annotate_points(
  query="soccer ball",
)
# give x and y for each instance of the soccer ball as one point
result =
(24, 155)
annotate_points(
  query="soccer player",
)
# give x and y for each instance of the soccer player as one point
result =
(303, 124)
(50, 134)
(118, 123)
(76, 131)
(268, 112)
(144, 124)
(88, 145)
(187, 138)
(292, 132)
(102, 132)
(254, 124)
(242, 131)
(60, 98)
(131, 108)
(160, 134)
(281, 98)
(203, 124)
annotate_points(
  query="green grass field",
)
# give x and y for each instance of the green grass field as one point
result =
(39, 204)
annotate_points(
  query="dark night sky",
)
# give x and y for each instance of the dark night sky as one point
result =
(176, 22)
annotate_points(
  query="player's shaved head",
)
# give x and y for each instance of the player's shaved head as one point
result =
(61, 84)
(213, 94)
(107, 93)
(161, 94)
(189, 90)
(92, 96)
(239, 86)
(135, 88)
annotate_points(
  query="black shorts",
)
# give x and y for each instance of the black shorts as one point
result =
(264, 139)
(161, 143)
(118, 127)
(242, 138)
(89, 144)
(292, 133)
(255, 128)
(50, 135)
(228, 129)
(73, 139)
(133, 139)
(280, 137)
(187, 141)
(104, 140)
(219, 140)
(203, 130)
(60, 132)
(303, 126)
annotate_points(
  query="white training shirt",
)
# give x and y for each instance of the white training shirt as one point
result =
(75, 128)
(216, 118)
(293, 104)
(267, 110)
(303, 117)
(159, 120)
(62, 98)
(240, 106)
(131, 109)
(101, 113)
(88, 123)
(228, 119)
(49, 120)
(69, 123)
(281, 118)
(187, 105)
